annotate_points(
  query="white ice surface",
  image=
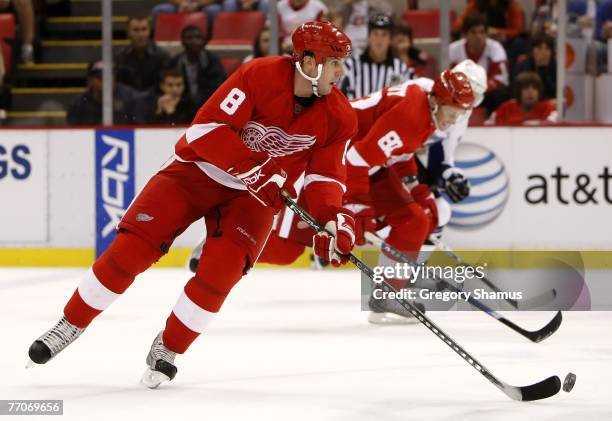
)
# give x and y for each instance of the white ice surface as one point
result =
(294, 345)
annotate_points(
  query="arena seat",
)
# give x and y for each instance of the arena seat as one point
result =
(168, 28)
(236, 29)
(7, 35)
(425, 23)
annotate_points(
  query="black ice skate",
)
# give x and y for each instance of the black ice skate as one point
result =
(160, 363)
(53, 342)
(194, 257)
(317, 263)
(192, 264)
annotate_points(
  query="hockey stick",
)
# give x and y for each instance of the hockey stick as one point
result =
(541, 390)
(535, 336)
(528, 303)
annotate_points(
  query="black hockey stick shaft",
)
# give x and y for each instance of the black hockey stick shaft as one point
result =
(540, 390)
(535, 336)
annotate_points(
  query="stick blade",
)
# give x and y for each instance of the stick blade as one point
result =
(546, 331)
(541, 390)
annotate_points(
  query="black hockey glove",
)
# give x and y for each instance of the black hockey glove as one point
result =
(456, 184)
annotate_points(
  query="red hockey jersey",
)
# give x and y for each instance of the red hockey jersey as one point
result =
(393, 124)
(255, 112)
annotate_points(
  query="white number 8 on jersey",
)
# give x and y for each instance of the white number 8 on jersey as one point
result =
(232, 101)
(389, 142)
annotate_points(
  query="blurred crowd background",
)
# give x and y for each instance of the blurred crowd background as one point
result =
(169, 56)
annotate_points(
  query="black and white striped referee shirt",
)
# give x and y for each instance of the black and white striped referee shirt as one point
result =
(362, 76)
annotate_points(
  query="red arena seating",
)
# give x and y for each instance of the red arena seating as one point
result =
(236, 28)
(168, 26)
(425, 23)
(7, 32)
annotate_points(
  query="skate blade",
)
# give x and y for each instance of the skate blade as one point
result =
(152, 379)
(390, 319)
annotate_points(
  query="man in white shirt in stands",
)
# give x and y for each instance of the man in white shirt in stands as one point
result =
(488, 53)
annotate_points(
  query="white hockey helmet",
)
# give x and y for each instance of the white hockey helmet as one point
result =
(477, 77)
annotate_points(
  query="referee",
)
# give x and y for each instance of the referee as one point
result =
(377, 67)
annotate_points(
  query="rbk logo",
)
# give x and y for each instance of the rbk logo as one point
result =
(252, 179)
(115, 173)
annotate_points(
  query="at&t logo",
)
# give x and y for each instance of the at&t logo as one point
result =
(490, 187)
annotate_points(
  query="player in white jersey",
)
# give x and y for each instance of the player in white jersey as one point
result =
(441, 172)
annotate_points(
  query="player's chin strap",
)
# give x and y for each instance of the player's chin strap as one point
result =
(434, 107)
(313, 80)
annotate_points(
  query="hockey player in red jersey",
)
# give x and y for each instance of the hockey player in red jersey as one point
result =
(272, 120)
(393, 124)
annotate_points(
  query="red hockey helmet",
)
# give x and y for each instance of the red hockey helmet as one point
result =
(322, 39)
(453, 88)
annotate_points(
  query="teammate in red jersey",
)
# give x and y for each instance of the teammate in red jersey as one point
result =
(272, 120)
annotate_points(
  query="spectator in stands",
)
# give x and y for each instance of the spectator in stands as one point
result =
(578, 20)
(210, 7)
(139, 64)
(201, 69)
(5, 98)
(505, 18)
(603, 24)
(25, 15)
(167, 106)
(486, 52)
(245, 6)
(541, 60)
(544, 18)
(580, 24)
(505, 22)
(261, 46)
(403, 47)
(293, 13)
(603, 33)
(376, 67)
(87, 107)
(527, 107)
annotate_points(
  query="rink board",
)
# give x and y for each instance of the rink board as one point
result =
(51, 220)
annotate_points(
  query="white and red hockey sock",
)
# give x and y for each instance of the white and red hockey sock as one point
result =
(113, 272)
